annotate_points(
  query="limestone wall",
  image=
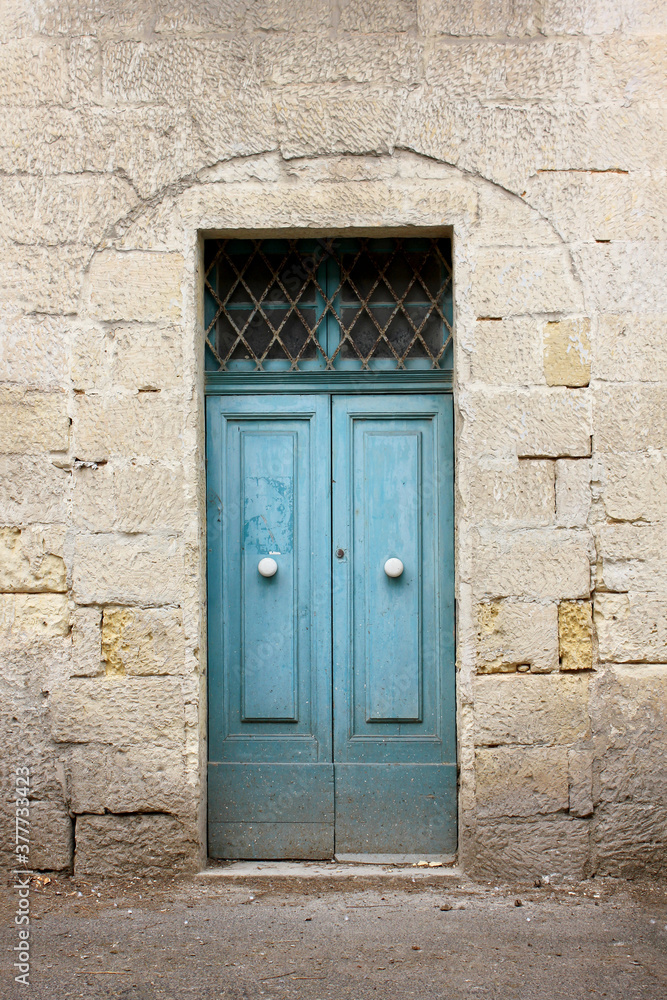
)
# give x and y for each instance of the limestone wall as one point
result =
(535, 130)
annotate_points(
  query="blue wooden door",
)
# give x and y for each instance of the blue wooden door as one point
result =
(393, 635)
(331, 705)
(270, 775)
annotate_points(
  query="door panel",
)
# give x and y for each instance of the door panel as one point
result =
(269, 637)
(393, 637)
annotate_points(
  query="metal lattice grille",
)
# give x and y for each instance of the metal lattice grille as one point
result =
(328, 304)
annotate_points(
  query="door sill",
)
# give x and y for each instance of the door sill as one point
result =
(252, 871)
(433, 860)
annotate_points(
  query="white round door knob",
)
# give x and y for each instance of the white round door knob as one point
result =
(393, 567)
(267, 566)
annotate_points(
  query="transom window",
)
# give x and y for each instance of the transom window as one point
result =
(338, 304)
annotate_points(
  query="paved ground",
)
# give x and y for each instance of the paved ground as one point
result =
(336, 934)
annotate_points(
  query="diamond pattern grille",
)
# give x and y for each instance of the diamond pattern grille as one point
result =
(328, 304)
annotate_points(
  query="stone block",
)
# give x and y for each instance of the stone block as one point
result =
(634, 486)
(507, 143)
(149, 358)
(617, 276)
(629, 720)
(632, 557)
(543, 564)
(621, 66)
(530, 709)
(85, 71)
(33, 71)
(32, 490)
(525, 781)
(378, 15)
(513, 18)
(145, 424)
(166, 70)
(136, 285)
(598, 205)
(580, 779)
(567, 352)
(33, 421)
(630, 348)
(337, 122)
(151, 844)
(503, 221)
(513, 634)
(42, 279)
(573, 492)
(386, 60)
(143, 569)
(628, 839)
(31, 561)
(114, 17)
(575, 635)
(517, 281)
(143, 641)
(631, 417)
(631, 628)
(33, 350)
(119, 711)
(542, 423)
(553, 846)
(134, 779)
(547, 70)
(31, 617)
(51, 836)
(507, 351)
(518, 492)
(87, 642)
(79, 208)
(129, 496)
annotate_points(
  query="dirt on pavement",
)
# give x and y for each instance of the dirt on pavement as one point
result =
(439, 936)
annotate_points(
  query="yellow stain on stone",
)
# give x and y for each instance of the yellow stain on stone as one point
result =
(567, 352)
(114, 626)
(575, 635)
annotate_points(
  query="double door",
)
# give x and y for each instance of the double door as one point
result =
(330, 626)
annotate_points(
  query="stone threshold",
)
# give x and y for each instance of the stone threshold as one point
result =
(440, 868)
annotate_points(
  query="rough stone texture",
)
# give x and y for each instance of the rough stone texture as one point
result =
(573, 492)
(632, 557)
(515, 781)
(31, 561)
(131, 779)
(118, 710)
(575, 635)
(87, 642)
(138, 641)
(631, 628)
(536, 847)
(138, 844)
(515, 634)
(527, 709)
(51, 839)
(515, 492)
(538, 563)
(634, 485)
(567, 352)
(629, 721)
(536, 134)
